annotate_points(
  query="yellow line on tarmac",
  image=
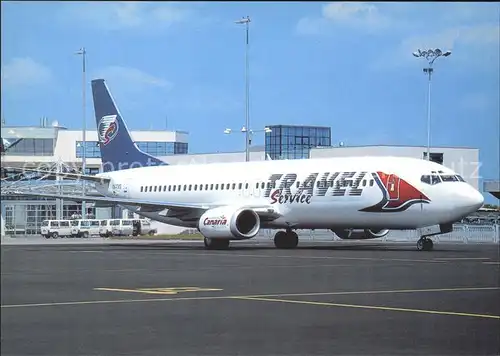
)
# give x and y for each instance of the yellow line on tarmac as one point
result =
(171, 290)
(151, 300)
(369, 307)
(463, 289)
(115, 301)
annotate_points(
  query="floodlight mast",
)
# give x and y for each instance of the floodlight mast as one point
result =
(246, 21)
(430, 55)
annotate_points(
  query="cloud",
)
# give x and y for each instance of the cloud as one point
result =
(132, 79)
(115, 16)
(359, 16)
(22, 72)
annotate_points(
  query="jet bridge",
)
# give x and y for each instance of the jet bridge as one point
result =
(23, 215)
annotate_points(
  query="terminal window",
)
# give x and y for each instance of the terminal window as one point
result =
(435, 157)
(295, 142)
(92, 149)
(32, 147)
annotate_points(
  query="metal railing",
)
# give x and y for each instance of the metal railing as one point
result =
(462, 233)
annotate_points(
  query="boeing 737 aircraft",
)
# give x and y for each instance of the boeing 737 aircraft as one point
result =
(354, 197)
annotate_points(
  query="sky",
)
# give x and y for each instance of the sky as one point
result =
(181, 66)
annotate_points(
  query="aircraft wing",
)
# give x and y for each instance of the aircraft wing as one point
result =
(194, 210)
(87, 177)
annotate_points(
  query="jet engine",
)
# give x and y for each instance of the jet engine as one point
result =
(229, 223)
(354, 234)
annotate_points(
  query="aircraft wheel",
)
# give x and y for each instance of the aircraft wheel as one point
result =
(428, 245)
(212, 244)
(286, 240)
(425, 244)
(280, 239)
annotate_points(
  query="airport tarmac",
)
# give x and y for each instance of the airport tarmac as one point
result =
(179, 299)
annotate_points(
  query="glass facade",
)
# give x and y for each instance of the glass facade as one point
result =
(294, 142)
(31, 147)
(92, 149)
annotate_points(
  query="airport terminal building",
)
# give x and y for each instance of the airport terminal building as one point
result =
(55, 146)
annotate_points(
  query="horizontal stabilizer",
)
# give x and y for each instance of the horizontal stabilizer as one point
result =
(149, 204)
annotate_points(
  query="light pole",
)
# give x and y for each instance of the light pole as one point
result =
(430, 55)
(246, 21)
(248, 135)
(83, 53)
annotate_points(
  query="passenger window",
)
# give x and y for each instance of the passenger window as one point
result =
(185, 187)
(156, 188)
(257, 185)
(217, 186)
(169, 187)
(190, 187)
(195, 186)
(262, 185)
(298, 184)
(364, 183)
(150, 188)
(142, 188)
(212, 187)
(371, 182)
(228, 186)
(240, 186)
(426, 179)
(173, 188)
(234, 186)
(246, 185)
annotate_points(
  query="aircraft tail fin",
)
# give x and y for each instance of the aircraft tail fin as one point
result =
(118, 150)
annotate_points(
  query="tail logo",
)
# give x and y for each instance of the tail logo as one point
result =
(398, 194)
(107, 129)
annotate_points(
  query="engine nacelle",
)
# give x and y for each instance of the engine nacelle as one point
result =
(353, 234)
(229, 223)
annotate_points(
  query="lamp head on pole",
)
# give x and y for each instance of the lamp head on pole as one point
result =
(227, 131)
(81, 51)
(431, 54)
(243, 20)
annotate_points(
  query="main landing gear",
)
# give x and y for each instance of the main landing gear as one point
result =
(215, 244)
(286, 239)
(425, 244)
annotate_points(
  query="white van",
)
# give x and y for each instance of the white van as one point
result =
(105, 228)
(84, 227)
(55, 228)
(121, 227)
(143, 227)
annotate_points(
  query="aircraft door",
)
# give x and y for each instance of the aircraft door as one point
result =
(256, 189)
(246, 189)
(393, 187)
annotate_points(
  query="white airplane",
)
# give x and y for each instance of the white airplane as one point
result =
(354, 197)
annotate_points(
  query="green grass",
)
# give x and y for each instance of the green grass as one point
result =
(161, 237)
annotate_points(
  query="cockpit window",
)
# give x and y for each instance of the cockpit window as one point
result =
(430, 179)
(460, 179)
(426, 179)
(435, 179)
(449, 178)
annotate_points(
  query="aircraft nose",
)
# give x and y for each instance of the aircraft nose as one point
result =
(473, 199)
